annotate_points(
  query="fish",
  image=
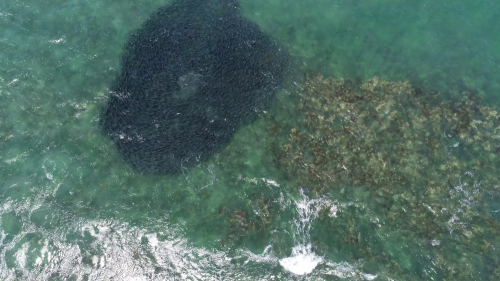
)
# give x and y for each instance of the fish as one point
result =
(190, 76)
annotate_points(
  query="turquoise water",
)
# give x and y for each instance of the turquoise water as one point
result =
(71, 209)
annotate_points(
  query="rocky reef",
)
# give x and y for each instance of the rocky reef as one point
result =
(384, 134)
(410, 164)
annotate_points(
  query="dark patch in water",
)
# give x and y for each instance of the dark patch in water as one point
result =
(191, 75)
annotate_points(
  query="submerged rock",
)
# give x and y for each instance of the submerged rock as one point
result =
(387, 135)
(414, 167)
(190, 76)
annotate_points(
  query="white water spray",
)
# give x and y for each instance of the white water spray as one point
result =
(303, 260)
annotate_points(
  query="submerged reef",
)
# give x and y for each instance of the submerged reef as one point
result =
(383, 134)
(248, 224)
(190, 76)
(414, 166)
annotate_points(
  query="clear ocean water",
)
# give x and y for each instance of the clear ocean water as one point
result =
(71, 209)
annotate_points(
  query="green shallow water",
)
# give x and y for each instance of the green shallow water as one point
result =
(70, 209)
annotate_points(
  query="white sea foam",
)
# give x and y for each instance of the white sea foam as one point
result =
(347, 271)
(123, 252)
(302, 261)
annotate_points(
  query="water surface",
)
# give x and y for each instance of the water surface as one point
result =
(71, 209)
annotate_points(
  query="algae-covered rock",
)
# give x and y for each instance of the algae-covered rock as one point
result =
(254, 224)
(384, 134)
(415, 166)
